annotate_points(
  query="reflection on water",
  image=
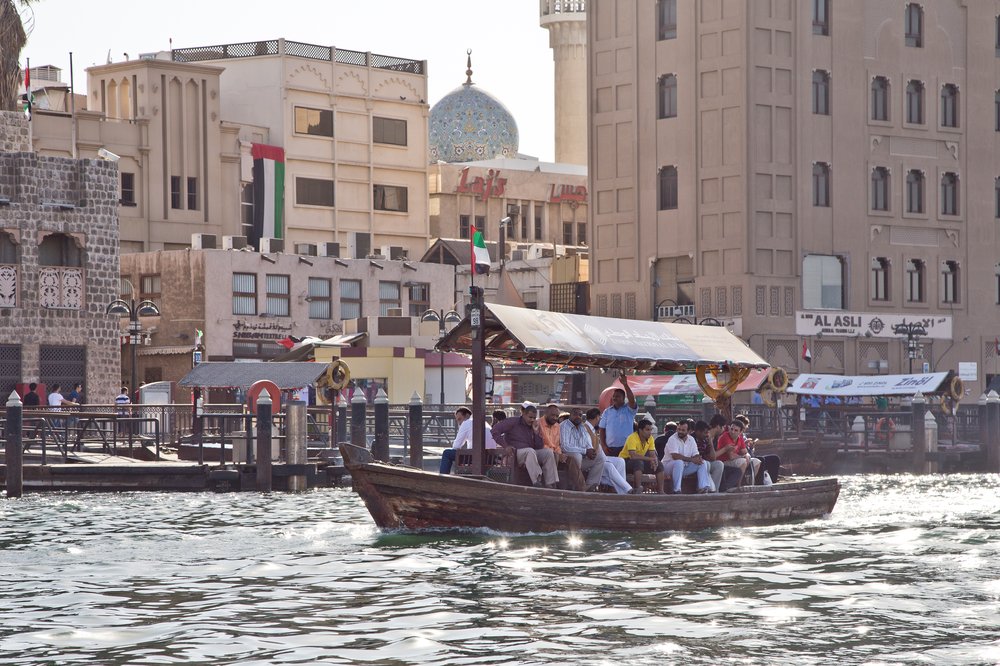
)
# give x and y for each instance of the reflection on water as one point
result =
(906, 570)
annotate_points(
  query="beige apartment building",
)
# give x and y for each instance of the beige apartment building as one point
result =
(814, 173)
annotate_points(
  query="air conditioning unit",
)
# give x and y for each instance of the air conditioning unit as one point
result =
(234, 242)
(394, 312)
(203, 242)
(397, 253)
(269, 245)
(329, 249)
(535, 251)
(517, 255)
(307, 249)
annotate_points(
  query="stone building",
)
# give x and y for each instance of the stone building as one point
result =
(58, 268)
(819, 171)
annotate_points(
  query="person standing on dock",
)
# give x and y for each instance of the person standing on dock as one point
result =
(56, 403)
(520, 438)
(618, 420)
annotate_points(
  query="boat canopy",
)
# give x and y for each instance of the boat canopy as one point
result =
(536, 336)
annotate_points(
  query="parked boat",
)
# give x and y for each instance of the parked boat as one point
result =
(398, 496)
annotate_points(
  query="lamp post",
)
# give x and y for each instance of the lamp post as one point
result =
(913, 332)
(442, 318)
(133, 311)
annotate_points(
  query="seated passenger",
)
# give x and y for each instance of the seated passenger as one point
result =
(669, 428)
(463, 419)
(639, 453)
(771, 464)
(732, 450)
(614, 467)
(683, 459)
(577, 444)
(519, 438)
(704, 435)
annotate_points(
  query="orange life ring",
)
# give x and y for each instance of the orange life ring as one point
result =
(885, 429)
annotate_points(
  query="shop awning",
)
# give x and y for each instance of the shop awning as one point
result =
(241, 375)
(840, 385)
(535, 336)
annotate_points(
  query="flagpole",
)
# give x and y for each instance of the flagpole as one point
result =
(27, 96)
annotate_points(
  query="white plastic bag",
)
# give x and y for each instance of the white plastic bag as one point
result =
(766, 480)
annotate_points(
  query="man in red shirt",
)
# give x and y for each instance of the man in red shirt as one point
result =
(731, 448)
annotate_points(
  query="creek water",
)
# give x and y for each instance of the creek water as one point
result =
(905, 570)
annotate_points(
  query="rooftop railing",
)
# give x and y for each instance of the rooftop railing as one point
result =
(298, 50)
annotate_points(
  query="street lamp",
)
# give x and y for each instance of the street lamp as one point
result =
(913, 331)
(133, 311)
(442, 318)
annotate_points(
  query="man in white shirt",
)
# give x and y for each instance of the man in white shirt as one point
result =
(575, 441)
(681, 458)
(463, 418)
(56, 401)
(613, 473)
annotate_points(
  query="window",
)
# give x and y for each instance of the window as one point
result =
(915, 103)
(244, 294)
(388, 297)
(668, 96)
(319, 298)
(192, 194)
(149, 288)
(821, 92)
(350, 299)
(880, 98)
(463, 227)
(128, 189)
(175, 192)
(525, 220)
(949, 105)
(419, 297)
(246, 210)
(880, 188)
(567, 233)
(913, 20)
(880, 279)
(581, 233)
(949, 194)
(314, 192)
(316, 122)
(915, 191)
(949, 282)
(389, 130)
(538, 223)
(822, 282)
(821, 17)
(10, 276)
(915, 281)
(666, 18)
(263, 350)
(277, 298)
(60, 250)
(390, 197)
(821, 184)
(668, 188)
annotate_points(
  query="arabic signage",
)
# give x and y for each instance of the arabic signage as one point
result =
(260, 330)
(839, 385)
(878, 325)
(571, 194)
(968, 371)
(490, 186)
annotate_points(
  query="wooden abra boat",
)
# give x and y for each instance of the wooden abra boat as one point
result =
(404, 497)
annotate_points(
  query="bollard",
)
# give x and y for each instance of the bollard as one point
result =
(295, 413)
(931, 439)
(359, 407)
(984, 424)
(650, 406)
(993, 441)
(14, 451)
(858, 433)
(341, 421)
(264, 442)
(918, 437)
(248, 443)
(198, 424)
(380, 449)
(416, 429)
(707, 409)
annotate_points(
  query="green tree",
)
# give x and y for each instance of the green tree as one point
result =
(13, 36)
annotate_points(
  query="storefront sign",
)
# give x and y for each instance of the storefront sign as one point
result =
(968, 371)
(491, 186)
(858, 324)
(572, 194)
(262, 330)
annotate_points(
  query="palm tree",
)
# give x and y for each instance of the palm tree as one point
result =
(13, 35)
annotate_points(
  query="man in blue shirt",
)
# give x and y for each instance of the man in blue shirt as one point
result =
(618, 420)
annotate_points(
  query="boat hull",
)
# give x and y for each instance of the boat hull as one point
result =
(400, 497)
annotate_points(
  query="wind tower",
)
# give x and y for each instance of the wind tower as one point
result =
(566, 21)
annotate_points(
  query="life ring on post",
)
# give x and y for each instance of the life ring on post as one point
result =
(777, 379)
(885, 429)
(338, 374)
(768, 396)
(956, 388)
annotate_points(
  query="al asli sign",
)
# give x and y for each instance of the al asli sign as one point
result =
(839, 385)
(879, 325)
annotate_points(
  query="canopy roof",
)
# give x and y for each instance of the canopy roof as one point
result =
(242, 375)
(535, 336)
(840, 385)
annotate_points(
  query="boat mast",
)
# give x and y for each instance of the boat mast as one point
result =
(476, 313)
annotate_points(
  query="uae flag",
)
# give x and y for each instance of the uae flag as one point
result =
(27, 99)
(480, 255)
(806, 354)
(268, 192)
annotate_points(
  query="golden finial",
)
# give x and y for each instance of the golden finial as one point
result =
(468, 68)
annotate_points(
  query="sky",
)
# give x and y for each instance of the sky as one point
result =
(510, 52)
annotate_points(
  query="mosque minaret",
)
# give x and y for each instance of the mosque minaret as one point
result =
(566, 21)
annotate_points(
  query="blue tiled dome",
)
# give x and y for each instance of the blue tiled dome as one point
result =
(470, 124)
